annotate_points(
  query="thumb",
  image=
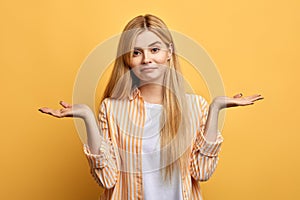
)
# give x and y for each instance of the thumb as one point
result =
(64, 104)
(238, 95)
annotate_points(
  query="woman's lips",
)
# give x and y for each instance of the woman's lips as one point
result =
(150, 68)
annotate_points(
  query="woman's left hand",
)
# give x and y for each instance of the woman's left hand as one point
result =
(221, 102)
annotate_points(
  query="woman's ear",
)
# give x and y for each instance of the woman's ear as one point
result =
(170, 51)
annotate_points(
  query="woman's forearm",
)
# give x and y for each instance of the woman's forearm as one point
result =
(93, 132)
(211, 126)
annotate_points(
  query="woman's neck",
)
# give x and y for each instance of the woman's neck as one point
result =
(152, 93)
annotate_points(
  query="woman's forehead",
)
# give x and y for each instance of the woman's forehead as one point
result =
(146, 39)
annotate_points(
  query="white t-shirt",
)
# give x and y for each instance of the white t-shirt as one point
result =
(154, 186)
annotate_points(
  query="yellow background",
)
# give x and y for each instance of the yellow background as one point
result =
(255, 45)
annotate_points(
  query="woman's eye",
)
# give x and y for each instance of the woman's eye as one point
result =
(136, 53)
(155, 50)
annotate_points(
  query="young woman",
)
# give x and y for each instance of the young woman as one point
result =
(151, 140)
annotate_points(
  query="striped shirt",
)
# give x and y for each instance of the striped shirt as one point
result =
(118, 166)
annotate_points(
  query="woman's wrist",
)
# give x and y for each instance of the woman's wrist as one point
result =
(215, 105)
(87, 113)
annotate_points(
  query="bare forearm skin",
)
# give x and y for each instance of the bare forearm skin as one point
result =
(93, 132)
(211, 126)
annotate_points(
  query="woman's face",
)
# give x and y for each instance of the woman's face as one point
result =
(150, 58)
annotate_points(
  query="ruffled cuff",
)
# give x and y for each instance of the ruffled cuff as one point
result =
(206, 147)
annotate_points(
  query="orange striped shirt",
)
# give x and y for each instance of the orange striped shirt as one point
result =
(118, 166)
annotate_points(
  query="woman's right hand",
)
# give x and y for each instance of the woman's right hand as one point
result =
(76, 110)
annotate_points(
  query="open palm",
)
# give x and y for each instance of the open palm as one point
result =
(76, 110)
(236, 100)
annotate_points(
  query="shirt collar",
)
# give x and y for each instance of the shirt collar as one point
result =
(134, 93)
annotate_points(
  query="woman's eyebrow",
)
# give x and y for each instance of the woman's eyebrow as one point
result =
(157, 42)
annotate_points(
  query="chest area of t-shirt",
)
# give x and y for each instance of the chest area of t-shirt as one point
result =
(137, 126)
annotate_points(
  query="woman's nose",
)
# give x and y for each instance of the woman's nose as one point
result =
(147, 57)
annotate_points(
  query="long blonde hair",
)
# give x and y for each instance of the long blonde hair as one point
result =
(175, 134)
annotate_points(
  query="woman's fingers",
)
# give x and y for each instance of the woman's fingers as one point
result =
(236, 100)
(49, 111)
(56, 113)
(63, 112)
(44, 110)
(255, 97)
(249, 100)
